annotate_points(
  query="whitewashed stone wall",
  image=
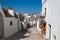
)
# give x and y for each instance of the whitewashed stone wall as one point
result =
(10, 29)
(53, 16)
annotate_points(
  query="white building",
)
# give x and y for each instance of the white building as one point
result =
(23, 21)
(52, 17)
(8, 23)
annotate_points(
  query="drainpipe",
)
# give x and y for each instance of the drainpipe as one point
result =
(49, 32)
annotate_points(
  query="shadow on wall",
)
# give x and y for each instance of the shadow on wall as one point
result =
(18, 35)
(22, 26)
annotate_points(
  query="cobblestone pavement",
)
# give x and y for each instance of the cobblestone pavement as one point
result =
(34, 35)
(30, 34)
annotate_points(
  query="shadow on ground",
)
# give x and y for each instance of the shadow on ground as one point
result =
(18, 35)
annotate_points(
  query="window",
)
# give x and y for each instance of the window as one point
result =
(11, 23)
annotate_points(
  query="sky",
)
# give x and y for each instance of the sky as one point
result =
(24, 6)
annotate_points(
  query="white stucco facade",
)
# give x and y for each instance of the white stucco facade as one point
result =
(9, 23)
(53, 14)
(10, 29)
(19, 25)
(25, 24)
(38, 27)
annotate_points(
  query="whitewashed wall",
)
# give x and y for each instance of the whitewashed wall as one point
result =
(38, 27)
(24, 24)
(53, 17)
(19, 25)
(56, 18)
(8, 29)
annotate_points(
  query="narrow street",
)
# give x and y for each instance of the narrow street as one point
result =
(29, 34)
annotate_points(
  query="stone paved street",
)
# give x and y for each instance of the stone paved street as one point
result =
(34, 34)
(29, 34)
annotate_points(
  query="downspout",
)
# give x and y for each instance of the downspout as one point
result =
(49, 32)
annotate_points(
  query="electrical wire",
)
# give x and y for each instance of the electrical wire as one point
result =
(6, 4)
